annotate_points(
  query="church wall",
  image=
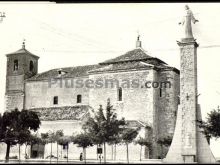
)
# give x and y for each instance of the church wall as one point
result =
(13, 101)
(168, 105)
(136, 104)
(15, 82)
(40, 94)
(155, 125)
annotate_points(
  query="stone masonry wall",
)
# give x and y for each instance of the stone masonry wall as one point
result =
(168, 105)
(136, 104)
(14, 100)
(39, 94)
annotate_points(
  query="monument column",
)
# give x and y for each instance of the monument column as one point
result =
(188, 88)
(188, 98)
(189, 144)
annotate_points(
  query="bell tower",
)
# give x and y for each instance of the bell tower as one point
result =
(21, 65)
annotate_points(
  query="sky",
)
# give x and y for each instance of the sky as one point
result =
(64, 35)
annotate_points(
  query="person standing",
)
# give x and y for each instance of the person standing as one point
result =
(81, 157)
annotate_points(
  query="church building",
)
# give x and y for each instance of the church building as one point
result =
(150, 104)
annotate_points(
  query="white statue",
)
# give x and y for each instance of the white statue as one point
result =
(187, 22)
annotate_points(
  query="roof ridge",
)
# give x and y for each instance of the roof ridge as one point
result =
(74, 71)
(132, 55)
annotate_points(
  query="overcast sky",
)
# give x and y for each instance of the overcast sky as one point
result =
(64, 35)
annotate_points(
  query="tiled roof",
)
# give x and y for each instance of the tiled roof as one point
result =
(62, 113)
(122, 66)
(132, 60)
(137, 54)
(77, 71)
(134, 123)
(132, 65)
(22, 51)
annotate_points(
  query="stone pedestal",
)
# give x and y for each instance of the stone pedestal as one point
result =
(204, 154)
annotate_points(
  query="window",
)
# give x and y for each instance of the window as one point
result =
(160, 92)
(55, 100)
(31, 66)
(15, 65)
(79, 98)
(120, 94)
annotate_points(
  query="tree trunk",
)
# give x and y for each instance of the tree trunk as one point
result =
(97, 153)
(7, 151)
(104, 153)
(19, 153)
(61, 152)
(25, 151)
(57, 153)
(38, 150)
(112, 151)
(84, 153)
(67, 151)
(140, 152)
(51, 151)
(127, 153)
(115, 153)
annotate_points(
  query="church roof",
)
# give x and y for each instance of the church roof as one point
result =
(68, 72)
(136, 59)
(137, 54)
(134, 123)
(62, 113)
(22, 51)
(133, 65)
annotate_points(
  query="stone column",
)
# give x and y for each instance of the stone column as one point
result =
(188, 99)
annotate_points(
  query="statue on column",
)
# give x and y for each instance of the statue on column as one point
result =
(187, 19)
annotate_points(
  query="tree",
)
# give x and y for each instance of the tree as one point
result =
(31, 140)
(58, 135)
(211, 128)
(164, 142)
(51, 138)
(83, 140)
(64, 141)
(23, 136)
(128, 135)
(16, 127)
(143, 142)
(114, 141)
(103, 128)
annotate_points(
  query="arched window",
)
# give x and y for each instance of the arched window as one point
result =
(79, 98)
(31, 66)
(55, 100)
(15, 65)
(119, 94)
